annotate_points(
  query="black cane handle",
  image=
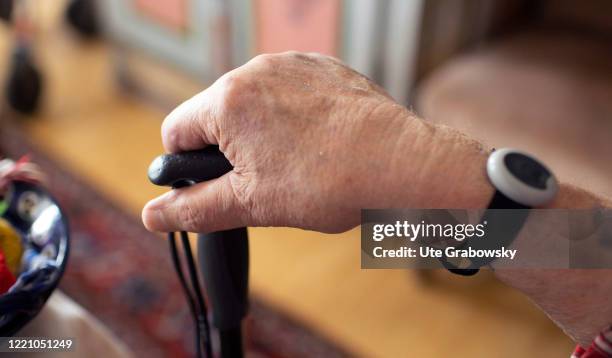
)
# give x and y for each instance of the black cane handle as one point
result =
(191, 167)
(223, 255)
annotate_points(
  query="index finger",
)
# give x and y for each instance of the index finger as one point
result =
(191, 125)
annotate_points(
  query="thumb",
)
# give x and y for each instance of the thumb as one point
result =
(205, 207)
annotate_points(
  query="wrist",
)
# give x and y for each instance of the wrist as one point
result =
(446, 169)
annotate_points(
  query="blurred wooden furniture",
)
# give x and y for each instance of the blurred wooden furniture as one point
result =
(546, 89)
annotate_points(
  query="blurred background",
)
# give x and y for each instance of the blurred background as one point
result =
(88, 83)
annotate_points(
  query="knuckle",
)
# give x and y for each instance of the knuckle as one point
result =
(312, 58)
(233, 87)
(293, 54)
(231, 82)
(329, 59)
(265, 59)
(317, 55)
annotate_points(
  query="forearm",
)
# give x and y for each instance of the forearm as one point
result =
(452, 174)
(578, 300)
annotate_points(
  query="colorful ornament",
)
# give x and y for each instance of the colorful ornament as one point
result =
(11, 247)
(7, 278)
(3, 206)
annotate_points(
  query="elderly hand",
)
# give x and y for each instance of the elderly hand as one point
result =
(312, 142)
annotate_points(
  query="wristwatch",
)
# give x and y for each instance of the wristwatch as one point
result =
(521, 182)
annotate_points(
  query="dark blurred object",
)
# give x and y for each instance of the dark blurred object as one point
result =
(587, 16)
(82, 16)
(24, 85)
(6, 10)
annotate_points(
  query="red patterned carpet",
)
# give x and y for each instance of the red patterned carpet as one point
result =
(123, 275)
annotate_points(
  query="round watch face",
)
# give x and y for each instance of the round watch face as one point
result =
(521, 177)
(527, 170)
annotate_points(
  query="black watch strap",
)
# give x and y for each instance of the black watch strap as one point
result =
(500, 201)
(501, 231)
(521, 182)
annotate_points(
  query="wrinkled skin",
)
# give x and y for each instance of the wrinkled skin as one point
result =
(313, 142)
